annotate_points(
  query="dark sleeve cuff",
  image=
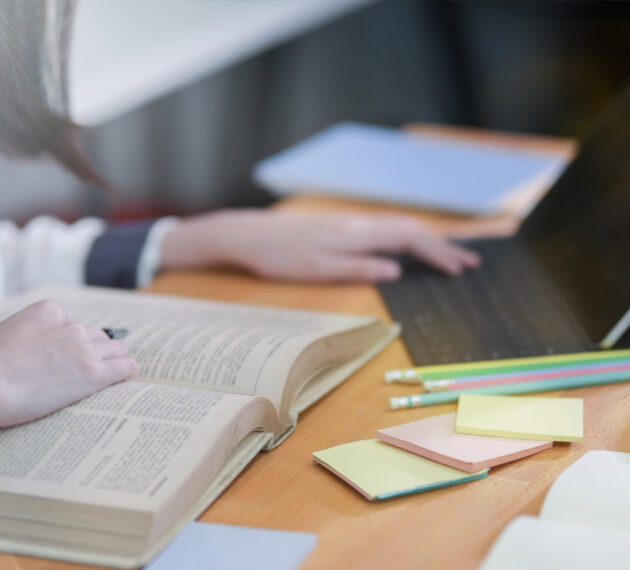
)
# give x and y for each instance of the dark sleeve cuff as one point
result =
(114, 256)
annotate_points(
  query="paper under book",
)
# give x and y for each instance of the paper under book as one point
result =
(584, 522)
(112, 478)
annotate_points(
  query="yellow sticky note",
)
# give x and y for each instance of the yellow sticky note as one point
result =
(547, 419)
(379, 471)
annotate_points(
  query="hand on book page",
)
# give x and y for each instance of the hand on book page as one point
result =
(309, 247)
(126, 468)
(48, 362)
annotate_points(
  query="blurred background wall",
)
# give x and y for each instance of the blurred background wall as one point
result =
(540, 67)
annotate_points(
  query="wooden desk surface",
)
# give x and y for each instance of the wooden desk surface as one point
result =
(451, 528)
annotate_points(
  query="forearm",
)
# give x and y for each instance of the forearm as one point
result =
(218, 238)
(308, 247)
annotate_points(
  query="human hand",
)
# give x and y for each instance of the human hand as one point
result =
(48, 362)
(309, 247)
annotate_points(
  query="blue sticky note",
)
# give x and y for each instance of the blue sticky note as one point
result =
(204, 546)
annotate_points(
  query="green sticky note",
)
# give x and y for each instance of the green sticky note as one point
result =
(380, 471)
(521, 417)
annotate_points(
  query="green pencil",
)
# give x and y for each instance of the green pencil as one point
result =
(435, 398)
(461, 369)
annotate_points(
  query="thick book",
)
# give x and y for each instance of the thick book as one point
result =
(111, 479)
(584, 522)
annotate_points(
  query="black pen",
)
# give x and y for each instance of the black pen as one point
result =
(116, 334)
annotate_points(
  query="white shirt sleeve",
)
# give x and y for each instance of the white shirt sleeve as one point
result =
(150, 258)
(46, 250)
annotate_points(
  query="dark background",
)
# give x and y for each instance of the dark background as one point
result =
(533, 67)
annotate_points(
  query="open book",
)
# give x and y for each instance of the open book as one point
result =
(112, 478)
(584, 522)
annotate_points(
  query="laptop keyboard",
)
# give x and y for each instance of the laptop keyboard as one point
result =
(499, 311)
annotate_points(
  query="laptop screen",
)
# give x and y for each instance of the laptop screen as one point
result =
(580, 231)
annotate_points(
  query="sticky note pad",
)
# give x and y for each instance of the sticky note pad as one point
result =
(524, 417)
(436, 439)
(380, 471)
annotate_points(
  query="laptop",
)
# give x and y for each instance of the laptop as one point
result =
(562, 284)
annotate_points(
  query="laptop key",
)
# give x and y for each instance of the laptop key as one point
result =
(500, 312)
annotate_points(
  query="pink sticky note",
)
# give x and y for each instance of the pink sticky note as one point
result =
(435, 438)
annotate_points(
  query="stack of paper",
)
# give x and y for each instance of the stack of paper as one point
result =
(454, 448)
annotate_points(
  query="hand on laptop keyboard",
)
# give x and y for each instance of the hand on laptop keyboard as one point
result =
(310, 246)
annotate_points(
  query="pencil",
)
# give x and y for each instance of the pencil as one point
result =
(465, 383)
(449, 396)
(450, 371)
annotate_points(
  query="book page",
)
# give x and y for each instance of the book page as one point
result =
(132, 446)
(379, 335)
(592, 491)
(227, 347)
(534, 543)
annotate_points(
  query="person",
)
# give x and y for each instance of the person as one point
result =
(48, 361)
